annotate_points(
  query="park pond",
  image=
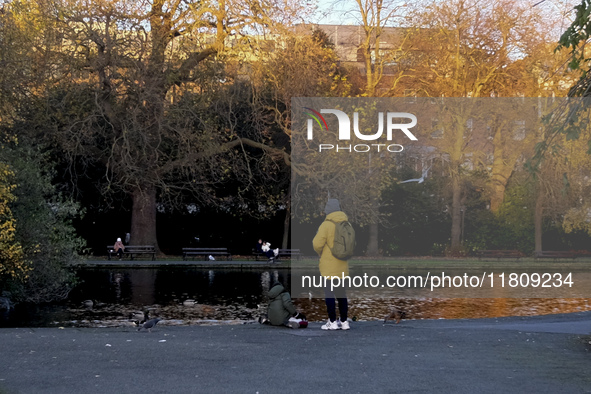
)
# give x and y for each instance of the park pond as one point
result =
(109, 297)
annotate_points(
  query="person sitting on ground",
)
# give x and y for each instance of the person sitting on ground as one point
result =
(119, 248)
(281, 311)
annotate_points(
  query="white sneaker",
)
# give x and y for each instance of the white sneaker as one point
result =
(334, 325)
(345, 325)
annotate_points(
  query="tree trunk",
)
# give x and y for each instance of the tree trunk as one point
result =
(499, 180)
(286, 226)
(374, 230)
(372, 244)
(456, 215)
(143, 217)
(538, 217)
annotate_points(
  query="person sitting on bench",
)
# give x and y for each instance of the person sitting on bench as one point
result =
(119, 248)
(265, 248)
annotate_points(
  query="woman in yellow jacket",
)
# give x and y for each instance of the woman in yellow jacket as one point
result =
(331, 266)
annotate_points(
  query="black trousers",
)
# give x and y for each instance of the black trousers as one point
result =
(331, 297)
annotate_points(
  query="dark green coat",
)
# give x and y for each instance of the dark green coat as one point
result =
(280, 306)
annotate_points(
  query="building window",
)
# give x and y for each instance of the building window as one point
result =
(489, 132)
(469, 162)
(468, 130)
(519, 130)
(437, 130)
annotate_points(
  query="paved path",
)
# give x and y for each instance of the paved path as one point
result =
(547, 354)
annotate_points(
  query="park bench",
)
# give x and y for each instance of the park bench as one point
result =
(282, 253)
(499, 254)
(291, 253)
(257, 254)
(206, 252)
(131, 250)
(555, 254)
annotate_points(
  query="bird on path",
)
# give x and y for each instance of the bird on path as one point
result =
(397, 315)
(149, 324)
(139, 317)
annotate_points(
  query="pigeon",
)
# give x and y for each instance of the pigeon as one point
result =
(396, 315)
(139, 317)
(149, 324)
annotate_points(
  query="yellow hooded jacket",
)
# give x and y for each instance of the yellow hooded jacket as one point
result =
(324, 240)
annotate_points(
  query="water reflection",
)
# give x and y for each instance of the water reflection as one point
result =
(198, 296)
(450, 308)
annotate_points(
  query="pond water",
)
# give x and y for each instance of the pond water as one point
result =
(109, 297)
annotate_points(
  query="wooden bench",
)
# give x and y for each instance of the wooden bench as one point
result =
(282, 253)
(206, 252)
(499, 254)
(289, 253)
(555, 254)
(131, 250)
(257, 254)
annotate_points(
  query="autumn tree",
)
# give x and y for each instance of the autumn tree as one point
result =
(38, 240)
(276, 77)
(474, 50)
(132, 91)
(578, 214)
(568, 120)
(13, 264)
(381, 45)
